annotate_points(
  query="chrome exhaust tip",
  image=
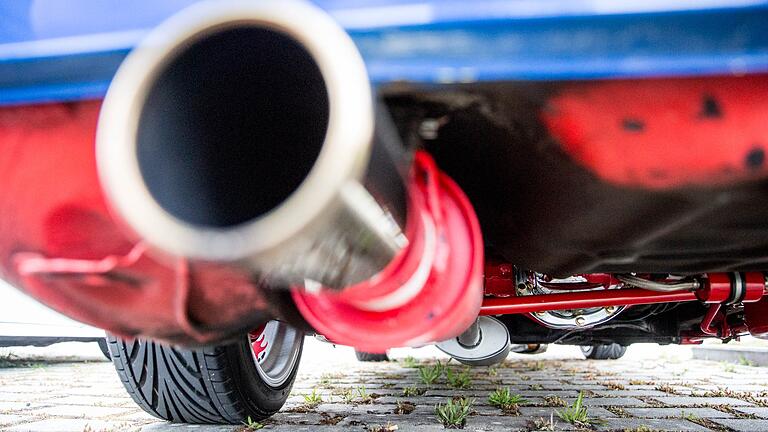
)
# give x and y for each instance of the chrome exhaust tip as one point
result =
(244, 132)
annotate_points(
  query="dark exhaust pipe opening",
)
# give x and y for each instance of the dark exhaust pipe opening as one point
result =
(232, 126)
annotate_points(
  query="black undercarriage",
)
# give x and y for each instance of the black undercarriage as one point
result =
(542, 211)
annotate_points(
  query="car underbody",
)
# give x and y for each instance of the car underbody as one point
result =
(246, 182)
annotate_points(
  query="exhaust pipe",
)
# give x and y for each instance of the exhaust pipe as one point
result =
(245, 134)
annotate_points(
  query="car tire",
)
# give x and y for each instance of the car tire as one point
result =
(529, 348)
(371, 357)
(104, 347)
(603, 352)
(214, 385)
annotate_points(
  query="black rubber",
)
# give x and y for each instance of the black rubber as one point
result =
(371, 357)
(215, 385)
(529, 348)
(104, 347)
(604, 352)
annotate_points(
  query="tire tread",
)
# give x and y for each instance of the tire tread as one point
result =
(606, 352)
(371, 357)
(176, 385)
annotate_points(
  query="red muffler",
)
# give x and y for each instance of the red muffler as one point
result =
(239, 151)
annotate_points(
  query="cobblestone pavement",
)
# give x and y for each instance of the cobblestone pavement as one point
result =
(625, 395)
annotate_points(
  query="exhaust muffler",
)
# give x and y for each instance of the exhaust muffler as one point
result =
(245, 134)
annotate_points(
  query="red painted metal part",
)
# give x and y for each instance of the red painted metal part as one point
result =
(756, 318)
(499, 279)
(59, 244)
(430, 293)
(578, 300)
(707, 325)
(664, 133)
(717, 288)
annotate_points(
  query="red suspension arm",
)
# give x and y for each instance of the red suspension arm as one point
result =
(578, 300)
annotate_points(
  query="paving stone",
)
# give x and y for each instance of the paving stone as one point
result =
(19, 406)
(79, 411)
(543, 393)
(92, 401)
(691, 401)
(628, 393)
(9, 419)
(135, 416)
(312, 428)
(757, 411)
(26, 397)
(169, 427)
(676, 412)
(628, 424)
(546, 412)
(67, 425)
(73, 396)
(610, 401)
(744, 425)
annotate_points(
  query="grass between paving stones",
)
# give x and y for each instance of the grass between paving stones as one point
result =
(365, 397)
(618, 411)
(458, 380)
(413, 391)
(753, 398)
(666, 388)
(347, 395)
(504, 399)
(430, 374)
(614, 386)
(330, 419)
(737, 414)
(11, 360)
(746, 362)
(707, 423)
(116, 428)
(313, 399)
(389, 427)
(250, 425)
(578, 415)
(651, 401)
(405, 407)
(327, 380)
(554, 401)
(409, 363)
(453, 414)
(542, 425)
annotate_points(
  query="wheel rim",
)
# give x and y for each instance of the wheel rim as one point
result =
(275, 351)
(586, 349)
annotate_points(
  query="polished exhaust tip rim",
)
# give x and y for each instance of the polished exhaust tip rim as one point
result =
(343, 157)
